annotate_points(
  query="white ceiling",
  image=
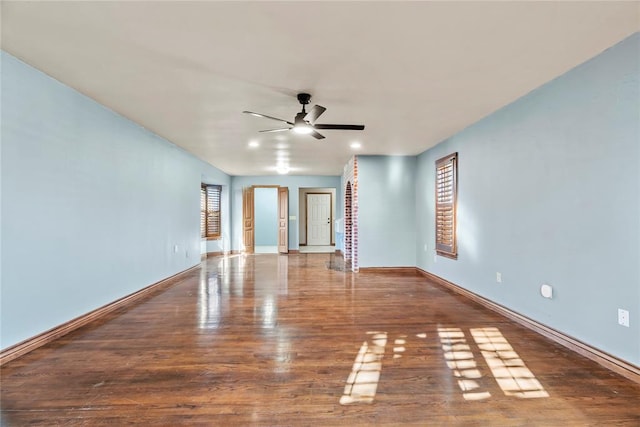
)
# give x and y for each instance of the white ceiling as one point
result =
(414, 73)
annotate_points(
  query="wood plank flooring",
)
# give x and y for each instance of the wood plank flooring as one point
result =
(285, 341)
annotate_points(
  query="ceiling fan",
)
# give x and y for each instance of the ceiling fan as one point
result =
(305, 123)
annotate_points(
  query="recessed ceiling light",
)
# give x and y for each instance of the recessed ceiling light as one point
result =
(282, 155)
(283, 169)
(254, 144)
(356, 145)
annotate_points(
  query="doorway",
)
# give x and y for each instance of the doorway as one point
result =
(249, 208)
(317, 207)
(266, 220)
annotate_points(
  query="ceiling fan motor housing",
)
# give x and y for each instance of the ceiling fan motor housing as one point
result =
(304, 98)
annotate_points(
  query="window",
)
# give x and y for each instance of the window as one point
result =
(210, 211)
(446, 198)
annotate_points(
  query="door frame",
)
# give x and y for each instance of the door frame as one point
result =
(302, 210)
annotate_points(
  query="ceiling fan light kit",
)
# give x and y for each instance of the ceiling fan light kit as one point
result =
(305, 122)
(303, 129)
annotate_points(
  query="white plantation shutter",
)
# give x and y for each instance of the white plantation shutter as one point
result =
(446, 197)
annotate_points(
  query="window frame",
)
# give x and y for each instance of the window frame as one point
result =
(446, 206)
(207, 214)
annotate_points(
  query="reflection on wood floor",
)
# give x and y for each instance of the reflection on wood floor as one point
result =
(285, 341)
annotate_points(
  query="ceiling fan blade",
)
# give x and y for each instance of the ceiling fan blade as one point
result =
(316, 135)
(267, 117)
(275, 130)
(339, 127)
(314, 113)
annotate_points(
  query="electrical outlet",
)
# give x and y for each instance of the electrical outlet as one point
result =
(623, 317)
(425, 247)
(498, 277)
(175, 249)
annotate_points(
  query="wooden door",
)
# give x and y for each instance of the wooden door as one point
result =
(248, 220)
(283, 220)
(318, 219)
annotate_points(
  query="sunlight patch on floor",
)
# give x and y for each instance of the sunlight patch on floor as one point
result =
(510, 372)
(460, 360)
(362, 383)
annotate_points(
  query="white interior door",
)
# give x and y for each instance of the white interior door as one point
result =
(318, 219)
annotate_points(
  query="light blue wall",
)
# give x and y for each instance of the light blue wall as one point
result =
(386, 211)
(266, 216)
(92, 204)
(549, 192)
(294, 183)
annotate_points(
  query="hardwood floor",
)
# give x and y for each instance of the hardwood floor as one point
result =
(285, 341)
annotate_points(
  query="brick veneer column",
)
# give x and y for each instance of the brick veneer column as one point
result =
(347, 224)
(350, 178)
